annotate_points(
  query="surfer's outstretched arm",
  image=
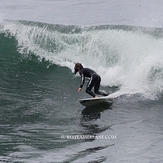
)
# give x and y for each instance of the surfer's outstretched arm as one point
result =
(79, 89)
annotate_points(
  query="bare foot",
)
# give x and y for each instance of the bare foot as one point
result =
(96, 96)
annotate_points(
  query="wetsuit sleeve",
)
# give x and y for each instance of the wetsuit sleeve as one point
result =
(82, 80)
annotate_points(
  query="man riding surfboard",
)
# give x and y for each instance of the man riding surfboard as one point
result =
(94, 81)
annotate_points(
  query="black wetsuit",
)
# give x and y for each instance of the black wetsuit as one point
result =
(94, 81)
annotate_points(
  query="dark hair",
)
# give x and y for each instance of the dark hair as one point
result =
(77, 67)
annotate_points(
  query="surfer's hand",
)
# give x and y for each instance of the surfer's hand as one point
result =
(79, 89)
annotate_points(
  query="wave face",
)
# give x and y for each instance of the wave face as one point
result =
(124, 56)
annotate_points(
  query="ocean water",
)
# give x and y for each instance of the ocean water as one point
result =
(41, 120)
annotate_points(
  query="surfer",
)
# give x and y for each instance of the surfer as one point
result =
(94, 81)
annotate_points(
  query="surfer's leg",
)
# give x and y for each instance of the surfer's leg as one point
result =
(97, 86)
(90, 86)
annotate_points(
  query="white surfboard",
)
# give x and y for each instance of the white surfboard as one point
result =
(93, 101)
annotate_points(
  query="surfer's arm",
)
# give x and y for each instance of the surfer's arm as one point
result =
(82, 81)
(79, 89)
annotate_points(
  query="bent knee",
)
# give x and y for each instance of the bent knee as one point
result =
(87, 90)
(96, 92)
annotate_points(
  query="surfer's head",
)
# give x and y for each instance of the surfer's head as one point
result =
(77, 67)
